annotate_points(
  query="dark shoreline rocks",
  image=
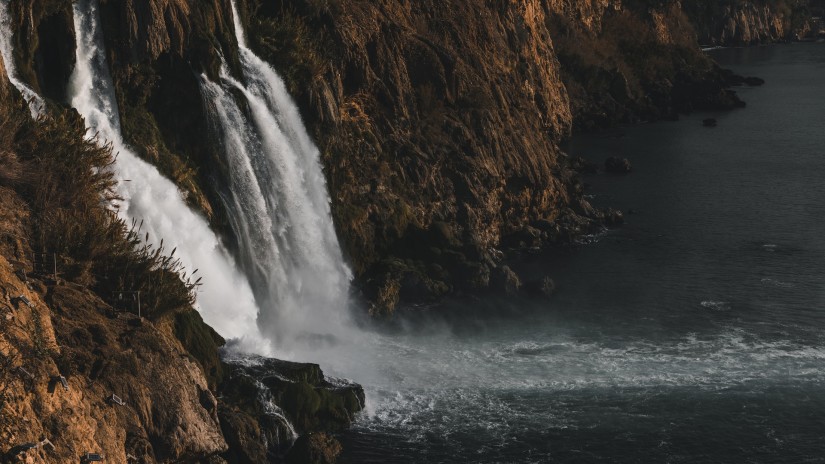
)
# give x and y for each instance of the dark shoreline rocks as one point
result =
(271, 400)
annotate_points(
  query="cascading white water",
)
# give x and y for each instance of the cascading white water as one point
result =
(225, 299)
(36, 103)
(279, 206)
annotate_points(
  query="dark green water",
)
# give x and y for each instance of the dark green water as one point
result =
(692, 334)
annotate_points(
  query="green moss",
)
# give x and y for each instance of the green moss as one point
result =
(312, 408)
(202, 342)
(142, 131)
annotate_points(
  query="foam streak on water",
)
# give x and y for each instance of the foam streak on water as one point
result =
(225, 300)
(36, 103)
(279, 208)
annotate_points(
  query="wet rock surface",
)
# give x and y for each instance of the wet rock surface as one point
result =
(281, 401)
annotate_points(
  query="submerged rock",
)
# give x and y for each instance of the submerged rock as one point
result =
(754, 81)
(617, 165)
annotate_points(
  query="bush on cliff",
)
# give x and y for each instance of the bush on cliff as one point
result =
(66, 180)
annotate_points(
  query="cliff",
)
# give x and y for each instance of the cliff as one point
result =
(70, 337)
(740, 22)
(438, 123)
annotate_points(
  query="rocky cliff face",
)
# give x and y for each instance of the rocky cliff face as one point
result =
(738, 22)
(169, 415)
(634, 61)
(439, 124)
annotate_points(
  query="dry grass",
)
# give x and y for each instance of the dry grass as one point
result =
(66, 180)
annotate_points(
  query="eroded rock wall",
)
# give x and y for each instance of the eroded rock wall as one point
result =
(740, 22)
(438, 122)
(47, 331)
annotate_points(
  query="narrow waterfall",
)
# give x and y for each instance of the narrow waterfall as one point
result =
(280, 207)
(225, 300)
(36, 103)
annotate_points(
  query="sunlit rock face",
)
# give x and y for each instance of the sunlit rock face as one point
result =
(750, 22)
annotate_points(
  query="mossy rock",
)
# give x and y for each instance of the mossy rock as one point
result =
(202, 342)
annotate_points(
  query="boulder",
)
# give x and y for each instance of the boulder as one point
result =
(709, 122)
(314, 448)
(613, 217)
(583, 166)
(505, 281)
(541, 288)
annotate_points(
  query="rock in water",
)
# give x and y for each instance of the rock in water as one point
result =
(617, 165)
(754, 81)
(314, 448)
(542, 288)
(613, 217)
(582, 166)
(709, 122)
(505, 281)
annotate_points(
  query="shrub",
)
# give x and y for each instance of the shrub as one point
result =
(68, 183)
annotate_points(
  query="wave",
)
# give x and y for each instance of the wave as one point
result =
(716, 305)
(777, 283)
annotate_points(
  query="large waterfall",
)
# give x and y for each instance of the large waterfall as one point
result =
(225, 300)
(279, 206)
(289, 261)
(36, 103)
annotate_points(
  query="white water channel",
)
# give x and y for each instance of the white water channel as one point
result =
(290, 286)
(279, 208)
(36, 103)
(225, 300)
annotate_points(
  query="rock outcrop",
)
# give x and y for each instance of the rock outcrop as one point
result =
(169, 413)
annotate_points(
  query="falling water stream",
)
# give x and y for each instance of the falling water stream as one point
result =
(226, 300)
(279, 209)
(36, 103)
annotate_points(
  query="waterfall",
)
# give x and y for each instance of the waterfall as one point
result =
(279, 206)
(36, 104)
(225, 299)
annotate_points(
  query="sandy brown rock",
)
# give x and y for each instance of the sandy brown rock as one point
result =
(428, 114)
(169, 415)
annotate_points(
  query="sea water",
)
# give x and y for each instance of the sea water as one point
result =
(692, 334)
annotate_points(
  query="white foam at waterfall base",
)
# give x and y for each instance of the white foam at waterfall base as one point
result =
(279, 209)
(225, 299)
(36, 103)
